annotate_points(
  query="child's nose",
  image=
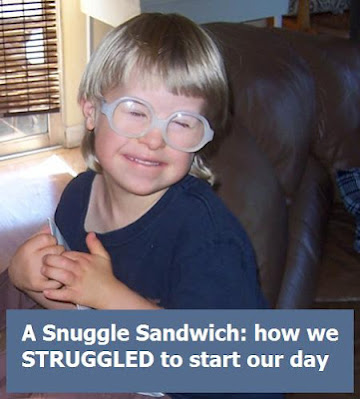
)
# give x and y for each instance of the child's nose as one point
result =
(153, 139)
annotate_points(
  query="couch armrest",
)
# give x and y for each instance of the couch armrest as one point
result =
(308, 218)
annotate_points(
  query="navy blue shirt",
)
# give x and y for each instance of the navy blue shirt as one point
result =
(188, 251)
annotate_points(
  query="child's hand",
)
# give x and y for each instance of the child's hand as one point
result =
(84, 276)
(25, 266)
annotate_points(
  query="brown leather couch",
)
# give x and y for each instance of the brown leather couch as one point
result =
(295, 121)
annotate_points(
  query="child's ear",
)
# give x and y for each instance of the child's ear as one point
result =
(89, 111)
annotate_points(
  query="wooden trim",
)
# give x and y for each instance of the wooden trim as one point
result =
(303, 15)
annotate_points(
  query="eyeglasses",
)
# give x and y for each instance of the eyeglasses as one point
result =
(134, 118)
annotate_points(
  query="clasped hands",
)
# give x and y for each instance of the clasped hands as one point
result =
(41, 265)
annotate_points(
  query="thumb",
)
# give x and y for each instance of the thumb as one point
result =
(95, 246)
(44, 230)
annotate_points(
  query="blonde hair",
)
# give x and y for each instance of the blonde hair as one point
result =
(168, 47)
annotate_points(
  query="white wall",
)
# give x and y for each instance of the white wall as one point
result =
(202, 11)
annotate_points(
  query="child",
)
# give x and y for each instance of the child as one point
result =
(145, 228)
(163, 238)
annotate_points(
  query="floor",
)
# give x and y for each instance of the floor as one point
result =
(30, 188)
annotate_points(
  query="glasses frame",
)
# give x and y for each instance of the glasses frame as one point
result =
(108, 110)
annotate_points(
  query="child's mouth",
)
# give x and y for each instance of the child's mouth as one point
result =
(144, 162)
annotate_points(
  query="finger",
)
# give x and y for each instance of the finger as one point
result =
(95, 246)
(61, 276)
(43, 283)
(41, 240)
(44, 230)
(77, 256)
(64, 294)
(52, 250)
(60, 262)
(51, 284)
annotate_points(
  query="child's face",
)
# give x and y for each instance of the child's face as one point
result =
(147, 165)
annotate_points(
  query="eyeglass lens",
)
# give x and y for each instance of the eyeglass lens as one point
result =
(132, 118)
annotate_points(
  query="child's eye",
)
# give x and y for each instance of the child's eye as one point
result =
(182, 124)
(137, 114)
(188, 123)
(132, 109)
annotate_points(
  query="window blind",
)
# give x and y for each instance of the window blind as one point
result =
(29, 76)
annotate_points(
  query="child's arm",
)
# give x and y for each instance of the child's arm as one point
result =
(88, 280)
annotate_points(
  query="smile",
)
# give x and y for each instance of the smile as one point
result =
(144, 162)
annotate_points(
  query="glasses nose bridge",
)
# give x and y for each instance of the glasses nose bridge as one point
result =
(158, 123)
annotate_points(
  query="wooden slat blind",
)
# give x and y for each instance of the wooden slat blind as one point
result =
(29, 76)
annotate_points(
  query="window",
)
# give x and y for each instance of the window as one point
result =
(29, 75)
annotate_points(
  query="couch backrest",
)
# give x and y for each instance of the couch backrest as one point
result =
(335, 66)
(263, 159)
(273, 96)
